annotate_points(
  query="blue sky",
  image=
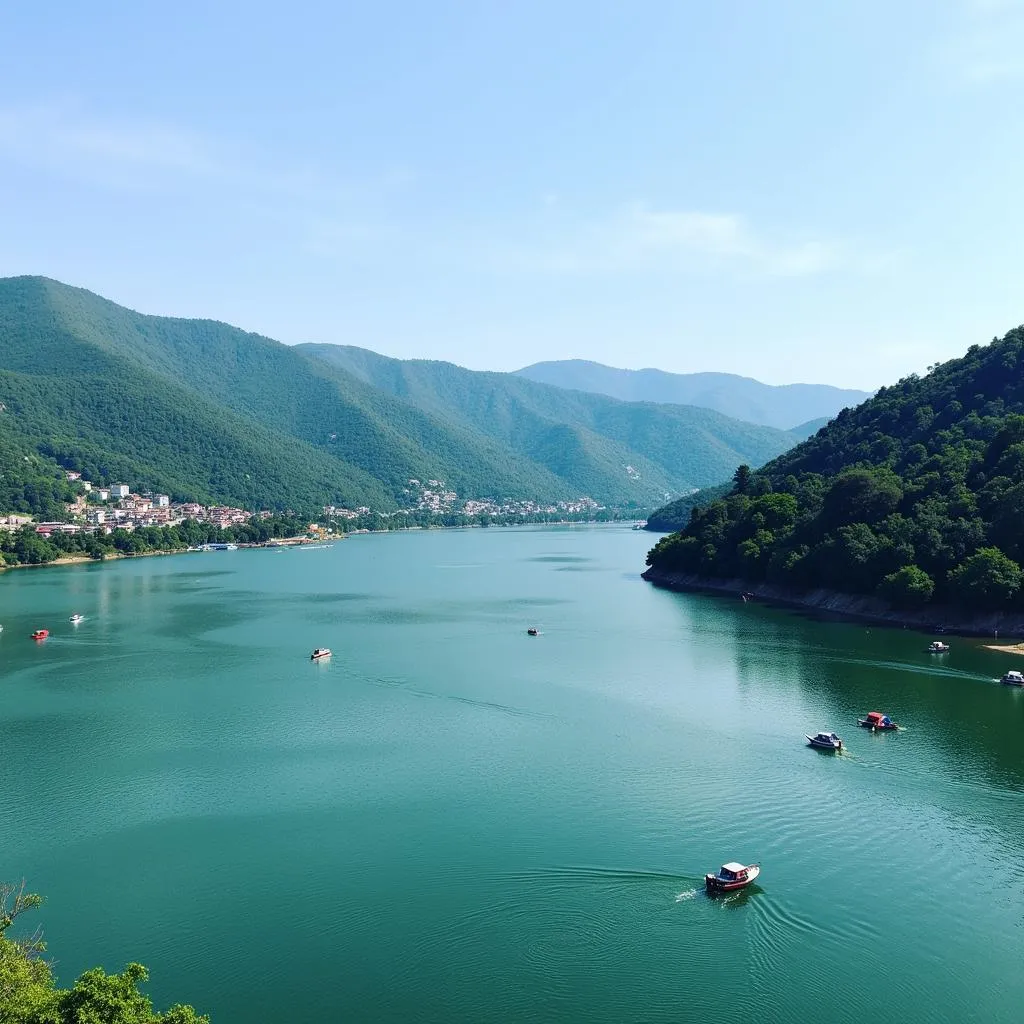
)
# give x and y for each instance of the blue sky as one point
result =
(789, 190)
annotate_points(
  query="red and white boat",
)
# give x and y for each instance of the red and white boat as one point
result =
(320, 653)
(40, 634)
(732, 876)
(875, 720)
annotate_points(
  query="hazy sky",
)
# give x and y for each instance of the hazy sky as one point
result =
(802, 190)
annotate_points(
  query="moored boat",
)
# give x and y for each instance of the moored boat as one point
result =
(876, 720)
(1013, 678)
(533, 631)
(320, 653)
(40, 634)
(937, 647)
(732, 876)
(825, 741)
(76, 618)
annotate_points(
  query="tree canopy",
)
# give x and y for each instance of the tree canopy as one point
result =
(916, 495)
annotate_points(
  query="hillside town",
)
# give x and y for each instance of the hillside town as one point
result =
(104, 509)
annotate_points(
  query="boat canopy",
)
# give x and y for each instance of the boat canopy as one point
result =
(732, 868)
(876, 714)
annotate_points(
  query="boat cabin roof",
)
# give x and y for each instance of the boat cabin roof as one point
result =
(733, 868)
(1014, 673)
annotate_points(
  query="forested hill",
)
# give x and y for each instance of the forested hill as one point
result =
(597, 444)
(916, 495)
(786, 406)
(204, 411)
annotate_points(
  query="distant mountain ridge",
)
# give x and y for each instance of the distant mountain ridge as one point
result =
(597, 444)
(783, 406)
(204, 411)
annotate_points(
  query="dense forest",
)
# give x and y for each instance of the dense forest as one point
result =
(29, 994)
(917, 495)
(203, 411)
(676, 514)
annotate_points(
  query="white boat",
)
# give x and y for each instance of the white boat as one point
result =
(76, 618)
(825, 741)
(937, 647)
(320, 653)
(1013, 678)
(732, 876)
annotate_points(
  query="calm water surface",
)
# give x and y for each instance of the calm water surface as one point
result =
(452, 821)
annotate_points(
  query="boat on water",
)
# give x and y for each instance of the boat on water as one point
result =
(875, 720)
(533, 631)
(938, 647)
(825, 741)
(1013, 678)
(732, 876)
(76, 618)
(40, 634)
(320, 653)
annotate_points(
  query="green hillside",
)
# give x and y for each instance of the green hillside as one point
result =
(203, 410)
(634, 451)
(676, 514)
(917, 496)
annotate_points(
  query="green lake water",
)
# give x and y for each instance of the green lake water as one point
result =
(452, 821)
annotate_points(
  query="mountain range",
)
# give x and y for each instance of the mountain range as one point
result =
(802, 408)
(205, 411)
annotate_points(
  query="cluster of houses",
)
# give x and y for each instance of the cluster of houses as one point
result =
(435, 497)
(105, 509)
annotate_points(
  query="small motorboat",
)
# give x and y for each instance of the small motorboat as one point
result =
(938, 647)
(1013, 678)
(732, 876)
(40, 634)
(825, 741)
(533, 631)
(76, 618)
(320, 653)
(876, 720)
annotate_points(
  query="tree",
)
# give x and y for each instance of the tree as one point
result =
(909, 587)
(28, 994)
(987, 578)
(741, 478)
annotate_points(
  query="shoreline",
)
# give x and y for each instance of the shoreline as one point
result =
(854, 607)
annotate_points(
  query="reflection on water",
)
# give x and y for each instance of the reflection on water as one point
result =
(481, 826)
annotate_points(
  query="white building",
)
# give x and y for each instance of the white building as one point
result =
(120, 490)
(162, 501)
(103, 493)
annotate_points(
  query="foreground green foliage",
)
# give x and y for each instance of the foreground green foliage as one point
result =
(916, 495)
(28, 993)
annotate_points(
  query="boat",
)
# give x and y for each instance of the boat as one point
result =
(320, 653)
(1013, 678)
(76, 618)
(40, 634)
(938, 647)
(533, 631)
(876, 720)
(825, 741)
(732, 876)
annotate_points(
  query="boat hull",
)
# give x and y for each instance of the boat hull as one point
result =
(820, 745)
(715, 884)
(891, 727)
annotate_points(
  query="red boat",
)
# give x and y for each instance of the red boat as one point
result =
(732, 876)
(876, 720)
(40, 634)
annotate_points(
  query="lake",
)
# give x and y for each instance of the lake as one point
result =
(453, 821)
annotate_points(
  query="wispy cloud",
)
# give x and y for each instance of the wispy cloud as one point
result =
(123, 154)
(639, 237)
